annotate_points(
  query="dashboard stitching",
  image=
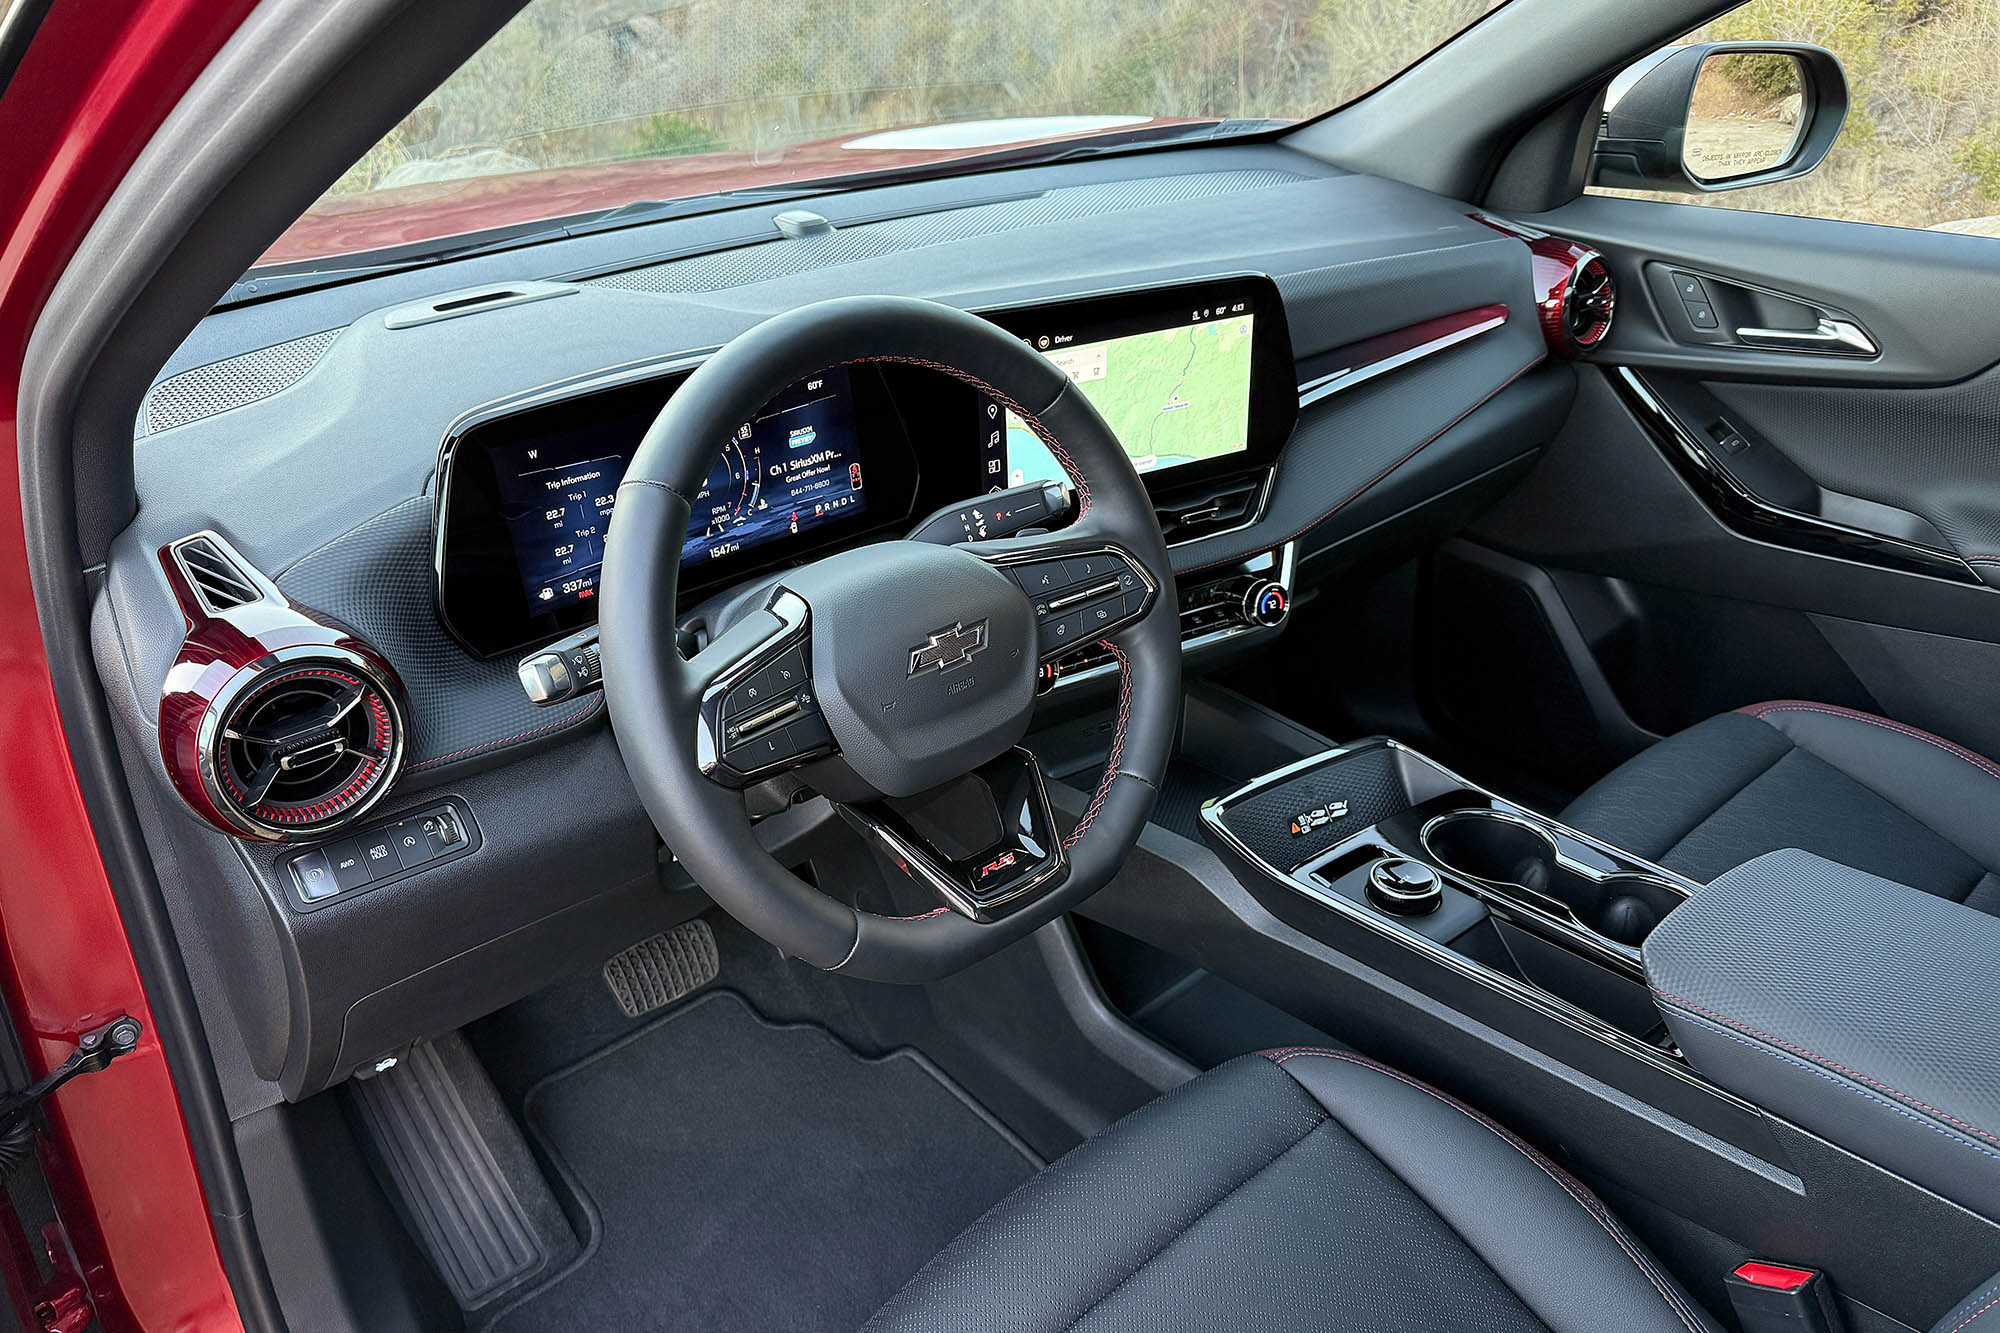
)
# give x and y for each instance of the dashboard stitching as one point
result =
(1034, 422)
(595, 704)
(1117, 746)
(1381, 476)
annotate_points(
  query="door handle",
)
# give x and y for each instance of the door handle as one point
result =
(1837, 337)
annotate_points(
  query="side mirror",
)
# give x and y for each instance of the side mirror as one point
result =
(1719, 116)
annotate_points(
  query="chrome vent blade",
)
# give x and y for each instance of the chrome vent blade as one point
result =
(217, 579)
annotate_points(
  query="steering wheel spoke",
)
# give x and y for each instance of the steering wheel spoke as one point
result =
(984, 843)
(759, 711)
(1083, 587)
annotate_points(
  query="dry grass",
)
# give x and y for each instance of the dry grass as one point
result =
(573, 80)
(1922, 143)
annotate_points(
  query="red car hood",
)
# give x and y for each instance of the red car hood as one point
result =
(379, 219)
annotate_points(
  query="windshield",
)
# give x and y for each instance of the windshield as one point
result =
(580, 106)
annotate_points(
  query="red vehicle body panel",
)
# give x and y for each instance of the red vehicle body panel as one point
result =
(95, 83)
(380, 219)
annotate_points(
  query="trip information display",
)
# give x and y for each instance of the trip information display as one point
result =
(796, 465)
(1173, 395)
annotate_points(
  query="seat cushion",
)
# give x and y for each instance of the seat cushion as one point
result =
(1302, 1188)
(1852, 787)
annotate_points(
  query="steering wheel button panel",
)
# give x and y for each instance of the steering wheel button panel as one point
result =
(788, 674)
(1041, 579)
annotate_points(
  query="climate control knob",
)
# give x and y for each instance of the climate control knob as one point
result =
(1265, 602)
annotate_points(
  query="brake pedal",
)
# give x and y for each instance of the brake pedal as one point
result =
(663, 968)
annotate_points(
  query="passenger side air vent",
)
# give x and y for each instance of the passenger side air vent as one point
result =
(1576, 294)
(275, 722)
(216, 578)
(1590, 303)
(1211, 508)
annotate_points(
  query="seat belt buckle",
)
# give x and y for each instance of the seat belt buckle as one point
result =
(1779, 1298)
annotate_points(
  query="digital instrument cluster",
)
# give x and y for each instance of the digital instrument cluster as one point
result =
(1195, 379)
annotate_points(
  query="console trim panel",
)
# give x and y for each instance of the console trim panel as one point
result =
(1355, 913)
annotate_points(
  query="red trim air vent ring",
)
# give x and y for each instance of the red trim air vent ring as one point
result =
(1589, 301)
(339, 770)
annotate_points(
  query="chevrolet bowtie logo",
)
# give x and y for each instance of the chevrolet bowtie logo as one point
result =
(949, 647)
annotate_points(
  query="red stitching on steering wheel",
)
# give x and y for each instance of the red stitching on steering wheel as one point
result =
(1043, 433)
(1117, 746)
(1047, 437)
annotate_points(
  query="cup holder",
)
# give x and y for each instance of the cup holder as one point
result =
(1504, 851)
(1493, 848)
(1630, 906)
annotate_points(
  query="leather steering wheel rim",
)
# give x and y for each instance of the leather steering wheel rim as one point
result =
(654, 693)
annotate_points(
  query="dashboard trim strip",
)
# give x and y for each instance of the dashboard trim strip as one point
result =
(1370, 357)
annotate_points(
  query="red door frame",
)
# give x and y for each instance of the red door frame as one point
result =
(96, 81)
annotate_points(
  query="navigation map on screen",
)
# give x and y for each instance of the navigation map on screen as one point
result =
(1172, 396)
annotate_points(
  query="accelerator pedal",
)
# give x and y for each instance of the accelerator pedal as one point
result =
(663, 968)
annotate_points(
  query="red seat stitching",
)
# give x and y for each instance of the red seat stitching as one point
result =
(1979, 761)
(1563, 1180)
(1903, 1097)
(1971, 1318)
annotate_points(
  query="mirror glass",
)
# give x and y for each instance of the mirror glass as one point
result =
(1745, 116)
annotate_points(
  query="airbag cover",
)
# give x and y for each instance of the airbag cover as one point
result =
(923, 658)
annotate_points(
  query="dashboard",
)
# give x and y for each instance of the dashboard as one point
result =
(1195, 379)
(410, 476)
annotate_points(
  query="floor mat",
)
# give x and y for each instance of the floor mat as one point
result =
(738, 1174)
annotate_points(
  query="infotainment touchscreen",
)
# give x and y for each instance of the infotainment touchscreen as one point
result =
(793, 467)
(1175, 389)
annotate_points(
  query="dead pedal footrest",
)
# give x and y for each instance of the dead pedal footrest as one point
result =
(465, 1178)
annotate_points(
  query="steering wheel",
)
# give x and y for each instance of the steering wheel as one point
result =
(898, 677)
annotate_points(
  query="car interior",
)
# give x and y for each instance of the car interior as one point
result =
(1313, 725)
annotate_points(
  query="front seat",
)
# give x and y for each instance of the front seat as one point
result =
(1869, 793)
(1301, 1188)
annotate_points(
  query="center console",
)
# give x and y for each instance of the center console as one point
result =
(1480, 945)
(1390, 840)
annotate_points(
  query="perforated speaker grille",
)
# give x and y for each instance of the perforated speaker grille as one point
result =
(235, 382)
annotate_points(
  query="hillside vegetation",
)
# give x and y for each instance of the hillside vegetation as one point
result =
(595, 80)
(601, 80)
(1921, 147)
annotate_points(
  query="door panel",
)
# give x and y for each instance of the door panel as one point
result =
(1729, 522)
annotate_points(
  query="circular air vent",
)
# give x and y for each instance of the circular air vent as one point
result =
(301, 746)
(1589, 302)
